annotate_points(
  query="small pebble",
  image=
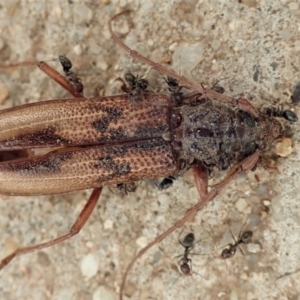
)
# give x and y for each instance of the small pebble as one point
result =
(286, 34)
(253, 247)
(89, 265)
(293, 6)
(108, 224)
(43, 259)
(129, 289)
(241, 204)
(89, 244)
(221, 294)
(187, 56)
(10, 245)
(103, 293)
(142, 241)
(233, 295)
(77, 50)
(102, 65)
(266, 202)
(167, 58)
(254, 219)
(284, 147)
(216, 44)
(173, 46)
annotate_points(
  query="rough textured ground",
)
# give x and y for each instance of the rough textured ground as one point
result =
(255, 45)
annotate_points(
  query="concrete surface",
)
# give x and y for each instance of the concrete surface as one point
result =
(255, 45)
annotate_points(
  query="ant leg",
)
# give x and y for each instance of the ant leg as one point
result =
(233, 236)
(180, 242)
(242, 103)
(191, 264)
(246, 165)
(79, 223)
(240, 234)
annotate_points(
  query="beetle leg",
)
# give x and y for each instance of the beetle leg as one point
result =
(67, 84)
(79, 223)
(158, 67)
(246, 165)
(201, 179)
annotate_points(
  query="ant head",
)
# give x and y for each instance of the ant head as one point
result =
(135, 82)
(65, 62)
(188, 240)
(129, 77)
(246, 237)
(165, 184)
(171, 82)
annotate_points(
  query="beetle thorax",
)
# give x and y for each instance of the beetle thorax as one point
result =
(217, 136)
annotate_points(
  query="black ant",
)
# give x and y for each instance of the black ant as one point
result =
(71, 76)
(185, 262)
(125, 188)
(243, 238)
(166, 183)
(135, 86)
(281, 113)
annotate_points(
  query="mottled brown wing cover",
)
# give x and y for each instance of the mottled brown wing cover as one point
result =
(87, 168)
(76, 122)
(130, 152)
